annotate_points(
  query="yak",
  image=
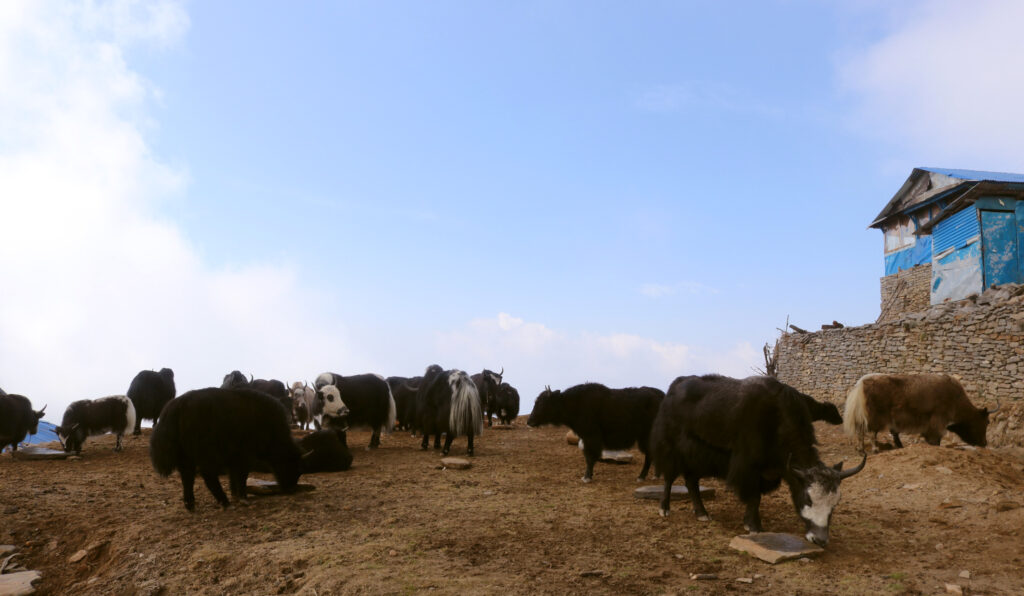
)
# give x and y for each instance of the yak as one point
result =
(487, 383)
(754, 433)
(325, 451)
(410, 412)
(17, 420)
(236, 380)
(89, 417)
(506, 404)
(366, 400)
(451, 406)
(213, 431)
(150, 391)
(926, 404)
(305, 407)
(603, 418)
(403, 389)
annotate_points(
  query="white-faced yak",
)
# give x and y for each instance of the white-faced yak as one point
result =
(928, 405)
(603, 418)
(754, 433)
(150, 391)
(17, 420)
(90, 417)
(213, 431)
(367, 399)
(450, 405)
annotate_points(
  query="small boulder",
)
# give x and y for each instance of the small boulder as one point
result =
(572, 438)
(456, 463)
(18, 583)
(78, 556)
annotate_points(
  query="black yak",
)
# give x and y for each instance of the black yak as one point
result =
(224, 430)
(89, 417)
(17, 420)
(603, 418)
(325, 451)
(754, 433)
(150, 391)
(450, 405)
(487, 383)
(928, 404)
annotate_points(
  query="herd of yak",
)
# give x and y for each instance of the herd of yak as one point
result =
(754, 433)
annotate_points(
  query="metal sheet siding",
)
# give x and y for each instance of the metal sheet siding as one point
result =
(957, 275)
(955, 231)
(999, 244)
(919, 254)
(1020, 238)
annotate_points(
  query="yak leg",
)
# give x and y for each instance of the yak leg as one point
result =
(425, 443)
(643, 470)
(138, 425)
(375, 438)
(752, 517)
(213, 483)
(693, 487)
(932, 438)
(448, 443)
(896, 439)
(469, 447)
(188, 481)
(236, 481)
(437, 441)
(666, 496)
(590, 455)
(117, 446)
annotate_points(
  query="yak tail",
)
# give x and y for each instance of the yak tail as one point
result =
(466, 415)
(163, 446)
(855, 416)
(129, 416)
(392, 411)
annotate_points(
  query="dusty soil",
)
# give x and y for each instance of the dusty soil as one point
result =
(519, 521)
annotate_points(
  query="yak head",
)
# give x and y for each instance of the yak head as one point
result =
(335, 411)
(71, 437)
(547, 409)
(815, 492)
(493, 379)
(972, 429)
(34, 420)
(233, 380)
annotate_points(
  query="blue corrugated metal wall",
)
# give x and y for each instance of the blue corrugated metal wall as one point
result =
(919, 254)
(955, 231)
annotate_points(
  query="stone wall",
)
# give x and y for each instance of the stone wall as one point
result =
(979, 340)
(906, 292)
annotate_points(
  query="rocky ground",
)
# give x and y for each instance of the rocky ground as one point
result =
(918, 520)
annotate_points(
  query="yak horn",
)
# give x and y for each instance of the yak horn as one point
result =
(502, 373)
(852, 471)
(250, 378)
(43, 410)
(990, 412)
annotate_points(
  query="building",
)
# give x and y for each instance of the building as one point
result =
(949, 234)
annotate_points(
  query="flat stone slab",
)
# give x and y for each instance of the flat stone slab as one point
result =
(32, 452)
(679, 493)
(257, 486)
(456, 463)
(775, 547)
(18, 583)
(572, 438)
(609, 456)
(501, 427)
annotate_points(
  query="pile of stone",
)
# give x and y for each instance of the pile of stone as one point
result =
(15, 580)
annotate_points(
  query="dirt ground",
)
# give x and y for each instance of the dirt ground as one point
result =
(519, 521)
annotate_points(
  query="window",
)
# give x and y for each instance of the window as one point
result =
(900, 234)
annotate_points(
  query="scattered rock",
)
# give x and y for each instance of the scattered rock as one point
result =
(774, 547)
(616, 457)
(745, 580)
(679, 493)
(954, 589)
(572, 438)
(150, 588)
(951, 504)
(943, 470)
(257, 486)
(1002, 506)
(18, 584)
(392, 553)
(78, 556)
(456, 463)
(703, 576)
(593, 573)
(965, 574)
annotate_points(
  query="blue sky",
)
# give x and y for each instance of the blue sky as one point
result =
(572, 191)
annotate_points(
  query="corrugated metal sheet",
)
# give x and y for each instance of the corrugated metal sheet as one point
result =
(999, 238)
(955, 231)
(977, 174)
(957, 275)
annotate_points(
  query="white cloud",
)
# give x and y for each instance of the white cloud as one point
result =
(534, 355)
(944, 84)
(96, 286)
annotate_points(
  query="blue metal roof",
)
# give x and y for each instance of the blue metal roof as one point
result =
(977, 175)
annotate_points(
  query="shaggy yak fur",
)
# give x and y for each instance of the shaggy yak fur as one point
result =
(368, 399)
(150, 391)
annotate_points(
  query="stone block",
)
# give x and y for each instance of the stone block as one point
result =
(774, 547)
(679, 493)
(257, 486)
(19, 583)
(456, 463)
(616, 457)
(572, 438)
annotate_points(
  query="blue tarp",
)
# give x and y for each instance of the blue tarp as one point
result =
(45, 435)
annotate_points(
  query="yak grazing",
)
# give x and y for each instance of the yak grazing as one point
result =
(213, 431)
(603, 418)
(754, 433)
(928, 404)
